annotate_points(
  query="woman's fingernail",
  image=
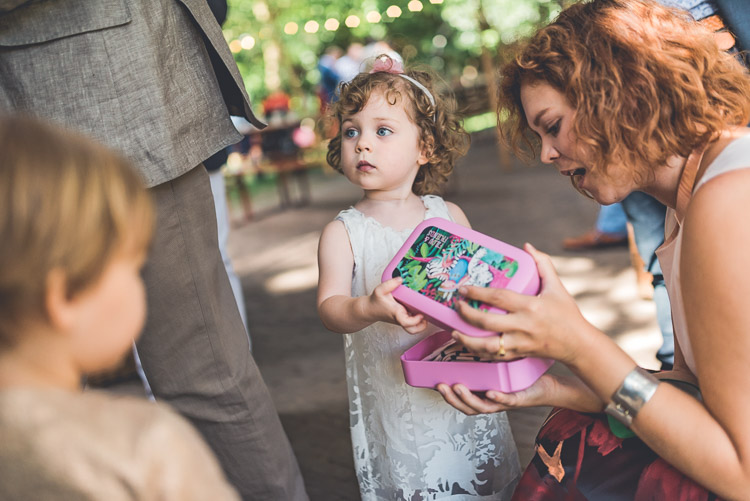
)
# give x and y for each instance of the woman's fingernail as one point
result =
(441, 390)
(454, 335)
(462, 290)
(458, 390)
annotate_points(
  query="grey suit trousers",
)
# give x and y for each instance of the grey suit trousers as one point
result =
(195, 350)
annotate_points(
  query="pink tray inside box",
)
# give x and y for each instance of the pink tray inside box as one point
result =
(507, 377)
(438, 257)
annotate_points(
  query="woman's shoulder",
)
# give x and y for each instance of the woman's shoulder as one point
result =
(733, 154)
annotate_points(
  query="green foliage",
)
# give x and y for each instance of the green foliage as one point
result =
(424, 250)
(446, 37)
(417, 278)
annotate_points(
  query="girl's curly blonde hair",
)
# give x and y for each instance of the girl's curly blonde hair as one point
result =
(442, 135)
(647, 82)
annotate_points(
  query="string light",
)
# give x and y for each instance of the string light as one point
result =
(247, 42)
(260, 10)
(352, 21)
(373, 17)
(415, 6)
(393, 11)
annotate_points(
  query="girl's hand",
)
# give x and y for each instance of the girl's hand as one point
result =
(548, 390)
(548, 325)
(382, 305)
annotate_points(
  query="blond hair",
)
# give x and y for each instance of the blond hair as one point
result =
(66, 203)
(441, 134)
(647, 82)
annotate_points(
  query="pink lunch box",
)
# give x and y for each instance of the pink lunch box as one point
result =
(437, 258)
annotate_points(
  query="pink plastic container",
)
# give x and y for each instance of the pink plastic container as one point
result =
(477, 376)
(439, 257)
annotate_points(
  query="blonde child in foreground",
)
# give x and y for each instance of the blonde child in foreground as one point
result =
(398, 141)
(76, 222)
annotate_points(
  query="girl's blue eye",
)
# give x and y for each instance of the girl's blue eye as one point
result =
(351, 133)
(383, 131)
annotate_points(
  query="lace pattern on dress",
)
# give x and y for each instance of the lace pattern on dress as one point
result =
(408, 443)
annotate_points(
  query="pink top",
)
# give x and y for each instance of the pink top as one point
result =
(735, 156)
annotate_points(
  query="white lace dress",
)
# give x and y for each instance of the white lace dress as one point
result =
(408, 443)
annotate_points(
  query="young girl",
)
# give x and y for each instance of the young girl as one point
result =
(398, 140)
(75, 225)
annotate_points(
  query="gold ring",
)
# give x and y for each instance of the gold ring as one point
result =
(501, 351)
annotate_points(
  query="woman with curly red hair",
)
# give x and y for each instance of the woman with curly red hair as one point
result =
(624, 96)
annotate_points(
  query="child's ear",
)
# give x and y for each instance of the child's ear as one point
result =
(423, 157)
(427, 148)
(60, 309)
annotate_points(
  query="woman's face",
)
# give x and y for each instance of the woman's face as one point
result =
(551, 117)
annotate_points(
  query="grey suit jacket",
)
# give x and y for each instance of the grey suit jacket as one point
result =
(153, 79)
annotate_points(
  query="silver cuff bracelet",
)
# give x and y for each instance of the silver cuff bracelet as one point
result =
(637, 388)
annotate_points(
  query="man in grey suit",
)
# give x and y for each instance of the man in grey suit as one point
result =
(155, 80)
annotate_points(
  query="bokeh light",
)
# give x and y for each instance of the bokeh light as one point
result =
(261, 12)
(409, 51)
(373, 17)
(331, 24)
(352, 21)
(439, 41)
(247, 42)
(393, 11)
(415, 6)
(291, 28)
(312, 26)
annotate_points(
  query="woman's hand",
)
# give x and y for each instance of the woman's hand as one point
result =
(382, 306)
(547, 325)
(548, 390)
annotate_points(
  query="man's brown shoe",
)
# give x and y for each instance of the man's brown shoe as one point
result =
(594, 240)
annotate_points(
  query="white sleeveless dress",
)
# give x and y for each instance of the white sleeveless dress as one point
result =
(408, 443)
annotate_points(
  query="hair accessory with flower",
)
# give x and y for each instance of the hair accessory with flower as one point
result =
(385, 63)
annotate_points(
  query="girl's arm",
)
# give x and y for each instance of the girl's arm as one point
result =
(338, 310)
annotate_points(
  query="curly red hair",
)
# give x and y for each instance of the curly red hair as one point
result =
(647, 82)
(442, 135)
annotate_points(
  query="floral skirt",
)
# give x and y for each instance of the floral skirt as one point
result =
(578, 458)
